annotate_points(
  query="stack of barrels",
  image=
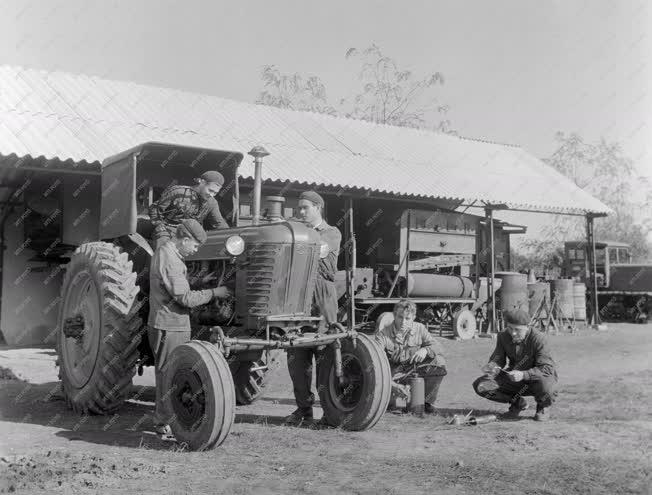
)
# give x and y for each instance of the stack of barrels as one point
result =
(571, 299)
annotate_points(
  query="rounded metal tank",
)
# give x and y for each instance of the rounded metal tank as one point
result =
(434, 285)
(538, 292)
(562, 291)
(513, 292)
(579, 301)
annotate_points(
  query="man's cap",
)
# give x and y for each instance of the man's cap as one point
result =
(312, 196)
(517, 317)
(213, 176)
(191, 228)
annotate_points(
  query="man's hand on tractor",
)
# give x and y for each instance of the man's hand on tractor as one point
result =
(419, 356)
(515, 376)
(221, 292)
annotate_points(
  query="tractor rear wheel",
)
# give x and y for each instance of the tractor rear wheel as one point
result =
(201, 397)
(99, 328)
(359, 400)
(249, 377)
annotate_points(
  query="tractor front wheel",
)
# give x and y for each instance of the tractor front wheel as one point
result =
(358, 399)
(199, 395)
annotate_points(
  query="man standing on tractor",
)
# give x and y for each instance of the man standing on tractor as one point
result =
(311, 206)
(197, 202)
(531, 369)
(170, 298)
(411, 349)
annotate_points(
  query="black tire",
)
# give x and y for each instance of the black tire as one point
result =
(201, 395)
(249, 385)
(360, 402)
(96, 365)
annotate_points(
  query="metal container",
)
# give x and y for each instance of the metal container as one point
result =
(579, 301)
(417, 395)
(478, 420)
(562, 290)
(538, 293)
(433, 285)
(513, 293)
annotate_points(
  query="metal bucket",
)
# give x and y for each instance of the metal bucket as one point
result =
(562, 289)
(579, 300)
(513, 292)
(538, 292)
(433, 285)
(417, 395)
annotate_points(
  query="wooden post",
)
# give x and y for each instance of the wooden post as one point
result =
(489, 214)
(350, 263)
(593, 276)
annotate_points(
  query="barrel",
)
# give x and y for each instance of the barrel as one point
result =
(513, 293)
(538, 294)
(434, 285)
(579, 300)
(562, 290)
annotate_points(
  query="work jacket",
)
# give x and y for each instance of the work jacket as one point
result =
(180, 202)
(532, 356)
(401, 345)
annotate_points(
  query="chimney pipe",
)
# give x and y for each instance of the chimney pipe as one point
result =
(258, 152)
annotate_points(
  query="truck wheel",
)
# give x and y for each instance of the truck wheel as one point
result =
(249, 379)
(99, 328)
(359, 401)
(464, 324)
(201, 396)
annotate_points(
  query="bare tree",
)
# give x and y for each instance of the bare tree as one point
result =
(294, 91)
(388, 94)
(394, 96)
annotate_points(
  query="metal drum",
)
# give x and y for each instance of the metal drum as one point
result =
(433, 285)
(513, 292)
(579, 300)
(562, 290)
(538, 293)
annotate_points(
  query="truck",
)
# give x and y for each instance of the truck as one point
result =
(624, 287)
(271, 265)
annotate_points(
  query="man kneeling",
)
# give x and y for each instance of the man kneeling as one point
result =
(410, 348)
(531, 369)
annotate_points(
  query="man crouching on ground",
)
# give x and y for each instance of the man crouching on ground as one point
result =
(410, 347)
(170, 298)
(531, 369)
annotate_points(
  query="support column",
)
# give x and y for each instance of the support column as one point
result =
(593, 276)
(489, 214)
(350, 257)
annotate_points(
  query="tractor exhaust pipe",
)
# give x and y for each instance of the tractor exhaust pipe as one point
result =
(258, 152)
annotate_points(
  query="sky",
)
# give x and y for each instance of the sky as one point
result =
(516, 71)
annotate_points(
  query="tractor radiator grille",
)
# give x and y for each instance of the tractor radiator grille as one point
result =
(260, 278)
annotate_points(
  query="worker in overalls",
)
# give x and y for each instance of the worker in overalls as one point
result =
(179, 202)
(310, 210)
(411, 349)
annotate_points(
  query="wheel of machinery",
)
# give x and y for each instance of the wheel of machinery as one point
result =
(200, 395)
(99, 328)
(249, 377)
(464, 324)
(358, 400)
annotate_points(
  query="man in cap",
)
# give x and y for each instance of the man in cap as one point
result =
(170, 298)
(197, 202)
(531, 369)
(311, 206)
(410, 349)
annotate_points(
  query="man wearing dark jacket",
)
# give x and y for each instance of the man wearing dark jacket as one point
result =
(170, 298)
(530, 372)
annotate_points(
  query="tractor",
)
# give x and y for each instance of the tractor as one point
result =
(271, 266)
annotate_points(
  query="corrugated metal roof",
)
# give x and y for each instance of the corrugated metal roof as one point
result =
(67, 116)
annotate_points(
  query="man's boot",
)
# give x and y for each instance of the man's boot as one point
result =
(542, 414)
(299, 416)
(515, 409)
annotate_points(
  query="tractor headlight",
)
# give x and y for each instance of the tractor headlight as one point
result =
(235, 245)
(323, 250)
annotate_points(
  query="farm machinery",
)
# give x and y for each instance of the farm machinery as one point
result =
(271, 267)
(624, 287)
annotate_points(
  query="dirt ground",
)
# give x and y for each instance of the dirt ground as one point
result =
(597, 442)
